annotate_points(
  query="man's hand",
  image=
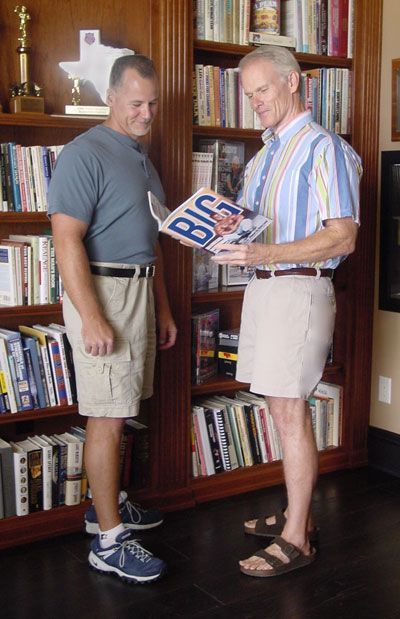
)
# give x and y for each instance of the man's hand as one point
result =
(167, 330)
(98, 337)
(241, 254)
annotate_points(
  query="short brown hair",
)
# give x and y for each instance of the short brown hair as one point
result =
(142, 64)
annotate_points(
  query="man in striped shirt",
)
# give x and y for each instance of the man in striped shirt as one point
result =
(306, 180)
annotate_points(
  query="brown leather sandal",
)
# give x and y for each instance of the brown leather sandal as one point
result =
(296, 560)
(262, 529)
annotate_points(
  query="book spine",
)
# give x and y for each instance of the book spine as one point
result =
(21, 483)
(16, 350)
(213, 438)
(9, 192)
(14, 177)
(35, 479)
(62, 473)
(222, 438)
(48, 375)
(8, 479)
(55, 360)
(31, 378)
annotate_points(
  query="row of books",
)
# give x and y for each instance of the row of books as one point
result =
(41, 472)
(219, 99)
(319, 26)
(310, 26)
(36, 368)
(327, 94)
(228, 433)
(46, 471)
(222, 20)
(25, 176)
(28, 270)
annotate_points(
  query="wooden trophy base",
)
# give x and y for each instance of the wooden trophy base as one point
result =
(23, 104)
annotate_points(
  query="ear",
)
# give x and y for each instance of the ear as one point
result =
(110, 96)
(293, 81)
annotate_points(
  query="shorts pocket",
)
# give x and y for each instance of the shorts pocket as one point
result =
(104, 380)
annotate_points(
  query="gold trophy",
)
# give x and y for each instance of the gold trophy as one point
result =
(25, 96)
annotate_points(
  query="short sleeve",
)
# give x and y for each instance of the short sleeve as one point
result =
(336, 180)
(74, 185)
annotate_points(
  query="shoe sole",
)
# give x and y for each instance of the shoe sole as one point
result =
(103, 568)
(92, 528)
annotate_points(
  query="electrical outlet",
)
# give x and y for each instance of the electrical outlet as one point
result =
(385, 390)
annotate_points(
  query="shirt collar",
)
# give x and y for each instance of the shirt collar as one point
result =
(289, 130)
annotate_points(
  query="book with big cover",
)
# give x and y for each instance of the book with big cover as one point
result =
(208, 219)
(205, 327)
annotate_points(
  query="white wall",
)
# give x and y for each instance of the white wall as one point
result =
(386, 337)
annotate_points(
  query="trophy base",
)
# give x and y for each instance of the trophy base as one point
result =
(87, 110)
(22, 104)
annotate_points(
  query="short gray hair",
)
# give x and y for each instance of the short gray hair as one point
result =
(280, 57)
(142, 64)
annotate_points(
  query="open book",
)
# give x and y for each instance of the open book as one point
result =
(206, 219)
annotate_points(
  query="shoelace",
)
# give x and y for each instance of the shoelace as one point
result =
(133, 507)
(134, 548)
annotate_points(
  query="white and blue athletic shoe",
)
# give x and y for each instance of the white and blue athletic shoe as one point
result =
(133, 516)
(126, 559)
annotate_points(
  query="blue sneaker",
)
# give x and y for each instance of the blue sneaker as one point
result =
(132, 515)
(127, 559)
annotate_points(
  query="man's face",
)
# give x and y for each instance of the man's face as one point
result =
(133, 104)
(270, 94)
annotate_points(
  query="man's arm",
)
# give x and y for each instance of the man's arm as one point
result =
(338, 238)
(166, 326)
(73, 264)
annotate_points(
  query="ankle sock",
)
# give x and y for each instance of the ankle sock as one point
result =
(107, 538)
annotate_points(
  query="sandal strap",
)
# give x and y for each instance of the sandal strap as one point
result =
(263, 528)
(289, 550)
(273, 561)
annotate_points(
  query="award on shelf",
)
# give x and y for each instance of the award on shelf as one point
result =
(25, 95)
(94, 65)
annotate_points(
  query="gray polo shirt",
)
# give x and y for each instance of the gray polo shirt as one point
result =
(102, 178)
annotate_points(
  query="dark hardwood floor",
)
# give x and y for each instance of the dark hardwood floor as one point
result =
(357, 573)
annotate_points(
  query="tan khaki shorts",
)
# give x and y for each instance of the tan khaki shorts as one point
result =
(113, 385)
(286, 331)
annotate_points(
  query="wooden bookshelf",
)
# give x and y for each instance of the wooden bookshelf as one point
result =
(162, 29)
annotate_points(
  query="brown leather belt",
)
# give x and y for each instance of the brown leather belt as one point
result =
(307, 271)
(115, 272)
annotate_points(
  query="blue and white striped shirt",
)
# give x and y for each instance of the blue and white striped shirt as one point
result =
(301, 177)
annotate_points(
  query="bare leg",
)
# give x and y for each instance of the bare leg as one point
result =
(102, 449)
(300, 462)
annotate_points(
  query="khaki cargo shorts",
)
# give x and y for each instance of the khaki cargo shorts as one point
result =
(286, 331)
(114, 385)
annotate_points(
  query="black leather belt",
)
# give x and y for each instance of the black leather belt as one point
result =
(115, 272)
(310, 272)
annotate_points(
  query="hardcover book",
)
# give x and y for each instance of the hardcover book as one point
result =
(208, 219)
(205, 329)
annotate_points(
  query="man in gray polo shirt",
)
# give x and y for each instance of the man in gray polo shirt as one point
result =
(106, 244)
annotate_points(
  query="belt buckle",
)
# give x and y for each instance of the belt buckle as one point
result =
(149, 271)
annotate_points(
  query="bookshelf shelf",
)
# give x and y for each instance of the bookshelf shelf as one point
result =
(24, 218)
(217, 384)
(38, 414)
(258, 476)
(55, 121)
(225, 293)
(56, 521)
(22, 311)
(226, 132)
(305, 60)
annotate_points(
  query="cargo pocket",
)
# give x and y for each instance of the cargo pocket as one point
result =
(104, 380)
